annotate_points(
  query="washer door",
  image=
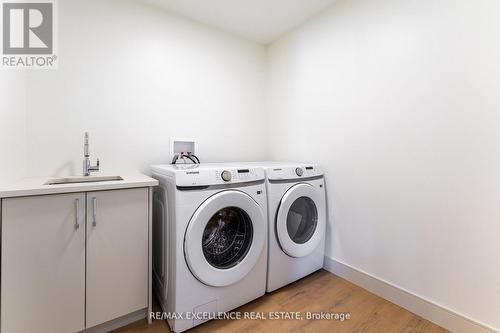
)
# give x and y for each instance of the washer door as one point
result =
(224, 238)
(300, 222)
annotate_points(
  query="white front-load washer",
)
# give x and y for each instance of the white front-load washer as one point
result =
(297, 221)
(209, 240)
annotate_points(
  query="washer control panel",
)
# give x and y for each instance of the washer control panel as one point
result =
(293, 172)
(207, 177)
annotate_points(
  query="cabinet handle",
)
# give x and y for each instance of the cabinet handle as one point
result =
(77, 213)
(94, 212)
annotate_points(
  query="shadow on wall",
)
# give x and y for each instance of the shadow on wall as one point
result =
(68, 168)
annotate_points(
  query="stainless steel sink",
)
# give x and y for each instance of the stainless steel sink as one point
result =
(88, 179)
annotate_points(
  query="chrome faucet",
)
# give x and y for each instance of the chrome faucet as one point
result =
(87, 167)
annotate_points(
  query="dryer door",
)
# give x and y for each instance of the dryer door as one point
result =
(301, 220)
(225, 238)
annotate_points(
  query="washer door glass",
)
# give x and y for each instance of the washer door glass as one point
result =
(227, 237)
(302, 220)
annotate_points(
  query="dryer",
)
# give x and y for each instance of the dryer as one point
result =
(297, 221)
(210, 240)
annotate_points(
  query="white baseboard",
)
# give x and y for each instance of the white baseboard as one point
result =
(435, 313)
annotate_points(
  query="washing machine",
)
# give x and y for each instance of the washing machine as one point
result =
(209, 240)
(297, 221)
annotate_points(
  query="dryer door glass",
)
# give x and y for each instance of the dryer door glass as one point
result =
(227, 237)
(302, 220)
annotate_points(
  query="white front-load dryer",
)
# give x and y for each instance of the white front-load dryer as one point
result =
(210, 240)
(297, 221)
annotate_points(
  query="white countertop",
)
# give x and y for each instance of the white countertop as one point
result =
(36, 186)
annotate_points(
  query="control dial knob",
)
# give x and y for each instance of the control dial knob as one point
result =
(226, 175)
(299, 172)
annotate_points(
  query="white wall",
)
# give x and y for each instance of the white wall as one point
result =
(399, 101)
(12, 126)
(134, 76)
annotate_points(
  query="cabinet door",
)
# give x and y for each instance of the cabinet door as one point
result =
(117, 254)
(43, 264)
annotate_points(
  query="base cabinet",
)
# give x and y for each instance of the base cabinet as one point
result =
(73, 261)
(117, 254)
(43, 264)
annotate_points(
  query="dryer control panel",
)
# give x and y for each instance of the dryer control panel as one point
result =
(222, 176)
(293, 172)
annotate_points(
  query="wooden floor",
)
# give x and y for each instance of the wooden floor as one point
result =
(319, 292)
